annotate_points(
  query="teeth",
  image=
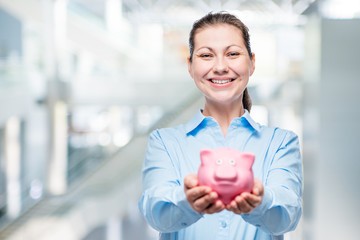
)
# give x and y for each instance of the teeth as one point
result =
(220, 81)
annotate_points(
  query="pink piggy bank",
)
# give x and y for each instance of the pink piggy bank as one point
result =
(227, 171)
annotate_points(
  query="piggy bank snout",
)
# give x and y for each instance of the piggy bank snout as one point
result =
(225, 173)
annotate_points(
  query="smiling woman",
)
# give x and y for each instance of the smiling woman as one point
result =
(221, 67)
(173, 202)
(243, 49)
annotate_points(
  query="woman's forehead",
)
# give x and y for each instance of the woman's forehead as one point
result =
(218, 33)
(217, 26)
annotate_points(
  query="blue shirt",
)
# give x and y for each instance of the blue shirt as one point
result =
(173, 153)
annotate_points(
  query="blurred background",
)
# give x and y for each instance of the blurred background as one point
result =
(84, 82)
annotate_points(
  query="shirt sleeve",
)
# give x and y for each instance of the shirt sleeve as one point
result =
(281, 208)
(163, 202)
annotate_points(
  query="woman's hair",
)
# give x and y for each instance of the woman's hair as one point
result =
(223, 18)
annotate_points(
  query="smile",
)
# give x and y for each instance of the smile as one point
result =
(221, 81)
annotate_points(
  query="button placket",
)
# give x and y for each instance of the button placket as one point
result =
(224, 227)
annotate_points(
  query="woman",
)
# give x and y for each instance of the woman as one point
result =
(221, 63)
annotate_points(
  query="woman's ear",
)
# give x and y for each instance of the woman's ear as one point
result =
(189, 67)
(252, 68)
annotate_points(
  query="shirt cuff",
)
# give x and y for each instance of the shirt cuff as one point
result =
(258, 212)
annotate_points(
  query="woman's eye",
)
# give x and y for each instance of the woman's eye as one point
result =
(205, 55)
(233, 54)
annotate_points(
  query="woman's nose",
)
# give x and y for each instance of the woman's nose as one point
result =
(220, 66)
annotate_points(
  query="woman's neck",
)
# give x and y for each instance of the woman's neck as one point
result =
(223, 114)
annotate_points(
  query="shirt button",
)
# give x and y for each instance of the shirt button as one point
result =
(223, 224)
(184, 224)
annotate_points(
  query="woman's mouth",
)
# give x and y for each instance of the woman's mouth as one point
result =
(222, 81)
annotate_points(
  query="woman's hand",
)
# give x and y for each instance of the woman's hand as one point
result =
(246, 202)
(201, 198)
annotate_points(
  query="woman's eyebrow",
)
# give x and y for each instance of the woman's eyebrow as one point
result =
(211, 49)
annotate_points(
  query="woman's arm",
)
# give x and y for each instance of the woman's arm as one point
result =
(163, 202)
(281, 207)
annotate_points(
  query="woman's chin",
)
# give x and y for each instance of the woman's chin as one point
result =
(223, 99)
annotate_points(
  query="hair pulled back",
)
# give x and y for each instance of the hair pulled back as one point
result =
(212, 19)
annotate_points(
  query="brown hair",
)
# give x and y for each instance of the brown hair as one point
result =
(221, 18)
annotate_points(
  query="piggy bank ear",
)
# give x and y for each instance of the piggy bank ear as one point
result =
(205, 155)
(247, 159)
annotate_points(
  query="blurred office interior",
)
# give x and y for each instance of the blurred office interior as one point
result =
(84, 82)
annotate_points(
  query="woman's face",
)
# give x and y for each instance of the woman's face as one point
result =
(221, 65)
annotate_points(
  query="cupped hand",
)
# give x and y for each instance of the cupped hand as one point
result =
(247, 202)
(201, 198)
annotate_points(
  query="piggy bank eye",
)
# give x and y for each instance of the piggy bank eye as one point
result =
(232, 161)
(219, 161)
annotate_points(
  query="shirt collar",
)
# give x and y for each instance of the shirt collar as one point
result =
(195, 121)
(198, 118)
(246, 116)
